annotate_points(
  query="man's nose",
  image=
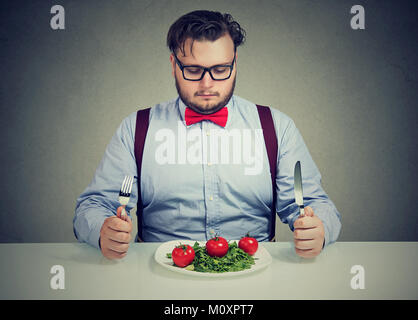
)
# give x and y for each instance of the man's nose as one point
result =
(207, 81)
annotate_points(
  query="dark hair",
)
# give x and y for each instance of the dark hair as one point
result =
(203, 25)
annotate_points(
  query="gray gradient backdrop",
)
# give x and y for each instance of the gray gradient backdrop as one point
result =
(352, 94)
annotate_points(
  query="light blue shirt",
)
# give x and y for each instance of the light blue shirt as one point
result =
(203, 179)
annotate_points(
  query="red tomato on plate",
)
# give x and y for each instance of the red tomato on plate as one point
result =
(182, 255)
(248, 244)
(217, 247)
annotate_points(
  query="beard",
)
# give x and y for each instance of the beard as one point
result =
(205, 108)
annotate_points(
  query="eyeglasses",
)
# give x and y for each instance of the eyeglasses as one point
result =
(196, 72)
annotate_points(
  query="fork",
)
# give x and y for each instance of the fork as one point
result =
(125, 193)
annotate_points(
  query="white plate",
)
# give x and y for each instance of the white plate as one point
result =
(264, 259)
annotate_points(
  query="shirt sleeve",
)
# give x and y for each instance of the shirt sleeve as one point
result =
(292, 148)
(101, 198)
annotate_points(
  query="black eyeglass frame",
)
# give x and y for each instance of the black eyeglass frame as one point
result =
(181, 66)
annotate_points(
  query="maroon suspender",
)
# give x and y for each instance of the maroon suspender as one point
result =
(270, 139)
(142, 122)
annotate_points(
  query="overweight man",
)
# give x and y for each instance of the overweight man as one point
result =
(204, 167)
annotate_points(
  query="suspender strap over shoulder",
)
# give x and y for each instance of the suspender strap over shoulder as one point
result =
(142, 123)
(270, 139)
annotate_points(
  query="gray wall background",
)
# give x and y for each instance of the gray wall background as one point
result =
(352, 94)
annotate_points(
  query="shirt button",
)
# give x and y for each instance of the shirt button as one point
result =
(208, 133)
(209, 164)
(210, 198)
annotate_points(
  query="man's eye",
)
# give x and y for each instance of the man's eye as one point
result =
(194, 70)
(220, 69)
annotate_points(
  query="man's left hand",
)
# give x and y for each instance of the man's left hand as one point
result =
(308, 234)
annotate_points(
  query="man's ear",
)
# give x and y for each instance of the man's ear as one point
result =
(173, 64)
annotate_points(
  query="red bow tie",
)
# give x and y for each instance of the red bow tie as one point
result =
(219, 117)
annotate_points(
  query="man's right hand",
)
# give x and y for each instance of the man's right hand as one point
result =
(115, 236)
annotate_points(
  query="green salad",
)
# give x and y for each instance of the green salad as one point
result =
(234, 260)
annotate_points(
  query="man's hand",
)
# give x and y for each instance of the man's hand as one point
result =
(308, 234)
(115, 236)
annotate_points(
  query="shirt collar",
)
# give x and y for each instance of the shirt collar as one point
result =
(231, 107)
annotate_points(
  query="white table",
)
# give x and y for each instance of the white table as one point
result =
(390, 272)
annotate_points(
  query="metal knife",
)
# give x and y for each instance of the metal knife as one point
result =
(299, 189)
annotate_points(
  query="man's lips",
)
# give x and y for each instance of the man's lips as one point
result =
(207, 95)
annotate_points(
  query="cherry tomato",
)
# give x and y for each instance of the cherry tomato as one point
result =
(217, 247)
(248, 244)
(182, 255)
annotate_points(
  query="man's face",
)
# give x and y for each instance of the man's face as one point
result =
(207, 95)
